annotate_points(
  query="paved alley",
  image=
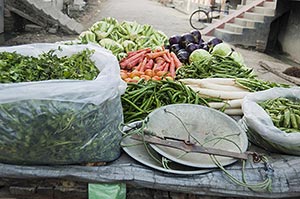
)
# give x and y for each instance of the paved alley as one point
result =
(169, 20)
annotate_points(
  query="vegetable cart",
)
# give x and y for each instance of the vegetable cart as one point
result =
(273, 175)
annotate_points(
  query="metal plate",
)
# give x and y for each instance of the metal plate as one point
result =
(139, 153)
(211, 128)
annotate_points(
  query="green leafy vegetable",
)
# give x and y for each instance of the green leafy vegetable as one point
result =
(15, 67)
(199, 55)
(221, 49)
(129, 34)
(59, 132)
(87, 36)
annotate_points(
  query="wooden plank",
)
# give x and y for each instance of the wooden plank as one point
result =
(24, 15)
(285, 179)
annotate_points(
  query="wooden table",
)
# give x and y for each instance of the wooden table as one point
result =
(285, 179)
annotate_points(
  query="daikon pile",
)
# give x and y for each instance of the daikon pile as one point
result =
(226, 89)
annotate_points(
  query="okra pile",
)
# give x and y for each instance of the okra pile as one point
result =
(284, 112)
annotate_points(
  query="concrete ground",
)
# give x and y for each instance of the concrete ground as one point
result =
(164, 18)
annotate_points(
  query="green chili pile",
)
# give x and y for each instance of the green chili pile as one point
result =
(143, 97)
(15, 67)
(285, 113)
(216, 66)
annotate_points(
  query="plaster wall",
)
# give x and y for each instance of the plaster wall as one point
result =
(57, 3)
(289, 37)
(1, 16)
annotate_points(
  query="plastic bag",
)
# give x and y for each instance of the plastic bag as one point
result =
(107, 191)
(260, 127)
(62, 121)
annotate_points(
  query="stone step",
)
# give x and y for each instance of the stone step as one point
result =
(215, 20)
(64, 20)
(227, 36)
(254, 16)
(221, 31)
(231, 11)
(269, 4)
(234, 28)
(264, 10)
(246, 22)
(246, 2)
(266, 4)
(260, 9)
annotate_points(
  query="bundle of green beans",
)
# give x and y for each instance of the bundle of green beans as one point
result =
(216, 66)
(143, 97)
(285, 113)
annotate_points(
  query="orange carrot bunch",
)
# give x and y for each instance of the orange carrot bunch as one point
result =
(147, 64)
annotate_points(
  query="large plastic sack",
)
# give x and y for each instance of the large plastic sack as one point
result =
(259, 126)
(62, 121)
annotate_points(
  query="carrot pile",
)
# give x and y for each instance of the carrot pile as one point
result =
(148, 64)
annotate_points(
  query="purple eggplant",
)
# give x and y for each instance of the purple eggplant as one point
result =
(197, 35)
(205, 47)
(213, 41)
(175, 48)
(186, 39)
(168, 47)
(191, 47)
(175, 39)
(183, 55)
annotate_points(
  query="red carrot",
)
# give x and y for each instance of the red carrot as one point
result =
(166, 67)
(149, 64)
(172, 68)
(142, 68)
(166, 57)
(132, 59)
(159, 60)
(154, 69)
(161, 66)
(135, 62)
(138, 68)
(156, 54)
(176, 60)
(131, 53)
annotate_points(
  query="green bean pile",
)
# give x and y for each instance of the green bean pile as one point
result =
(285, 113)
(143, 97)
(221, 67)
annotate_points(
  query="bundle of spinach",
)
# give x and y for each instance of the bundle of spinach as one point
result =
(15, 67)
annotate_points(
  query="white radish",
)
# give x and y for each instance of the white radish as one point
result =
(223, 81)
(220, 94)
(236, 103)
(233, 111)
(221, 87)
